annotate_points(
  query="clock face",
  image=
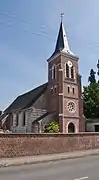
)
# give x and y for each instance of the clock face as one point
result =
(69, 63)
(71, 106)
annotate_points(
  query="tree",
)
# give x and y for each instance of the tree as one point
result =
(98, 69)
(91, 100)
(53, 127)
(91, 78)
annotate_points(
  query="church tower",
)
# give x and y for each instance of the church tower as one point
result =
(64, 86)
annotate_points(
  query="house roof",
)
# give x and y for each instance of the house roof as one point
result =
(25, 100)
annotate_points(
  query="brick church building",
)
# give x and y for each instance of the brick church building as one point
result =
(59, 99)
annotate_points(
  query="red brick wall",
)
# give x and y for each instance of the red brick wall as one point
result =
(31, 144)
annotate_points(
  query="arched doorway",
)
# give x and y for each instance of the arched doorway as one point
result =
(71, 128)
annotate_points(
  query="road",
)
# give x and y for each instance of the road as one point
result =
(71, 169)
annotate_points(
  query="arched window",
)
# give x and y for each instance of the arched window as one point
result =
(72, 72)
(71, 128)
(73, 90)
(17, 119)
(55, 89)
(67, 70)
(54, 73)
(23, 118)
(68, 89)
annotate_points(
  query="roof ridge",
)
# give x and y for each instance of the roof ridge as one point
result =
(32, 90)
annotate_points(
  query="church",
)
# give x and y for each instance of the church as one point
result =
(59, 99)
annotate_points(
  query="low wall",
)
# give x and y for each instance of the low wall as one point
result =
(12, 145)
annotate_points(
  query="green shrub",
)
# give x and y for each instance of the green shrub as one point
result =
(53, 127)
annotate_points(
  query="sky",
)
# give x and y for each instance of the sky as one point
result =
(28, 33)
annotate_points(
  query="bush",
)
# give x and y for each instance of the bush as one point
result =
(53, 127)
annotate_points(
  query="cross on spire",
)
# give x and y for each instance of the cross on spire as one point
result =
(62, 14)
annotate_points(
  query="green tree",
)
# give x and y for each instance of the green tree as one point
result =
(92, 78)
(91, 100)
(53, 127)
(98, 69)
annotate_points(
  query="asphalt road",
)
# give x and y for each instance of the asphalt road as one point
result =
(74, 169)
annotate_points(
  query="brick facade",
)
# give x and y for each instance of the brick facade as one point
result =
(12, 145)
(58, 101)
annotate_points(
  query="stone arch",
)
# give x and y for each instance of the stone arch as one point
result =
(71, 128)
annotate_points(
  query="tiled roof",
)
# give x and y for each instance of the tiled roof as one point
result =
(25, 100)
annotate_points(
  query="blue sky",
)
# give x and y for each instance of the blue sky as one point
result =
(28, 32)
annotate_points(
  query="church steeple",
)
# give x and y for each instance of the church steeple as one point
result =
(62, 42)
(64, 86)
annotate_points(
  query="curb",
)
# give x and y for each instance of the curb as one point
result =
(5, 162)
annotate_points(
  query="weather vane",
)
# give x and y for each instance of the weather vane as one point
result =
(62, 14)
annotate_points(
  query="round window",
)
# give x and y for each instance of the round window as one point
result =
(71, 106)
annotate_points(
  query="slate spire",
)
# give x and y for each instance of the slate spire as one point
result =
(62, 42)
